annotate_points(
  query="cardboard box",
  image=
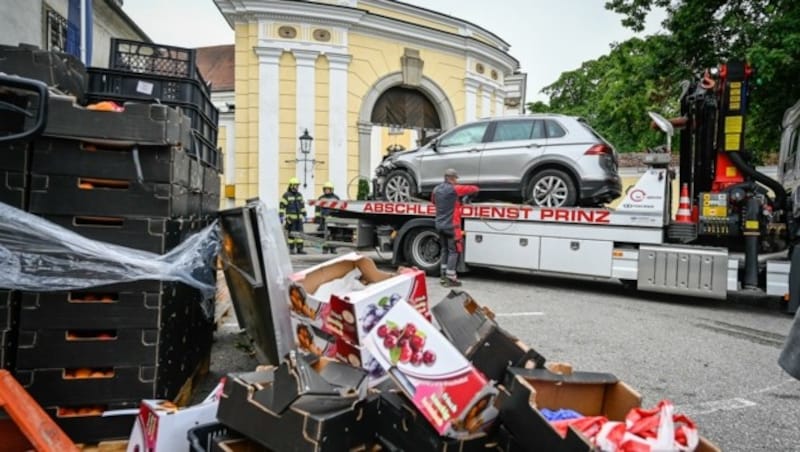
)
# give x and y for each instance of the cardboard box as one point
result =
(456, 398)
(304, 284)
(352, 316)
(359, 357)
(162, 427)
(588, 393)
(311, 339)
(306, 404)
(401, 427)
(473, 331)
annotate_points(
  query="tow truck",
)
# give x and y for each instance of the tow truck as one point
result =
(733, 230)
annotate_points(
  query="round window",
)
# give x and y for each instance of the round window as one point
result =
(322, 35)
(287, 32)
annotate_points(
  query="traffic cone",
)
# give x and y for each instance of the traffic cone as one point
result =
(684, 214)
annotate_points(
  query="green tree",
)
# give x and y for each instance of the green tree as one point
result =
(615, 92)
(705, 33)
(537, 107)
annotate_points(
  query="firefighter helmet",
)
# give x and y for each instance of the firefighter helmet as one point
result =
(328, 184)
(294, 181)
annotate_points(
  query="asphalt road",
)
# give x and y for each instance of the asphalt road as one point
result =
(715, 360)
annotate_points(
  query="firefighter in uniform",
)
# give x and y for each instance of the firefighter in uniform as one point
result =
(293, 215)
(322, 213)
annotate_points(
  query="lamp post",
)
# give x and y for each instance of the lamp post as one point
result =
(305, 149)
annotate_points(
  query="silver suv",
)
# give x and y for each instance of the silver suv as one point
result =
(546, 160)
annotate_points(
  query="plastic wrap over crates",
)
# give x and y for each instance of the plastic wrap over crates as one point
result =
(37, 255)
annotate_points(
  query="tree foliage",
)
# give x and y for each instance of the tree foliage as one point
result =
(615, 91)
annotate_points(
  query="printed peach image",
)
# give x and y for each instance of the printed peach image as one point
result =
(297, 300)
(473, 420)
(305, 339)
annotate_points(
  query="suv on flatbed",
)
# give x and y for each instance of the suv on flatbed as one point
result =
(547, 160)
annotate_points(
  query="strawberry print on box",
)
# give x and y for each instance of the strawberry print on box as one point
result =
(453, 396)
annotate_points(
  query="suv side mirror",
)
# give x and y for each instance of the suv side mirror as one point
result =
(23, 107)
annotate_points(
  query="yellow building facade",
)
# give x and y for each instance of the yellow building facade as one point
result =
(362, 77)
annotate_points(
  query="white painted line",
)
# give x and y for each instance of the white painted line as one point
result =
(518, 314)
(712, 406)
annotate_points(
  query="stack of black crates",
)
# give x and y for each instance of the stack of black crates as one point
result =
(146, 178)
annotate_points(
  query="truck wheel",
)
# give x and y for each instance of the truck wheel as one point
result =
(423, 250)
(552, 188)
(399, 186)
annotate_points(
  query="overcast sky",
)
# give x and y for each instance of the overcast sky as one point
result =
(548, 37)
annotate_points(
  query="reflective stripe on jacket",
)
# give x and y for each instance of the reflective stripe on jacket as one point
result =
(292, 205)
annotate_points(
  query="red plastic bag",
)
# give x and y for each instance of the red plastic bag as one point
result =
(653, 430)
(588, 425)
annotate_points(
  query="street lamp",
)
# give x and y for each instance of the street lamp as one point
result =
(305, 149)
(305, 142)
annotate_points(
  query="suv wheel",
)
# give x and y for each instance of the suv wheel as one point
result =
(552, 188)
(399, 186)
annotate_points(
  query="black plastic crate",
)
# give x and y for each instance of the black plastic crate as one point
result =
(14, 156)
(211, 181)
(140, 123)
(79, 386)
(93, 428)
(201, 438)
(56, 69)
(152, 87)
(12, 189)
(60, 156)
(9, 313)
(151, 58)
(8, 304)
(87, 196)
(155, 235)
(87, 308)
(202, 126)
(44, 349)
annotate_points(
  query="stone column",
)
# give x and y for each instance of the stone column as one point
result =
(268, 125)
(499, 102)
(337, 122)
(305, 95)
(471, 105)
(364, 149)
(486, 101)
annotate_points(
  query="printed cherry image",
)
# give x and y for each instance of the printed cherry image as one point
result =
(383, 331)
(429, 357)
(406, 345)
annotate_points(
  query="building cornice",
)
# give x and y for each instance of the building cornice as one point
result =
(465, 27)
(357, 20)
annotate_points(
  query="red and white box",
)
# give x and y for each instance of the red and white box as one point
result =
(352, 316)
(309, 298)
(309, 338)
(162, 427)
(360, 357)
(457, 399)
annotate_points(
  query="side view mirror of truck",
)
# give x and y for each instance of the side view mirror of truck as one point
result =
(23, 108)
